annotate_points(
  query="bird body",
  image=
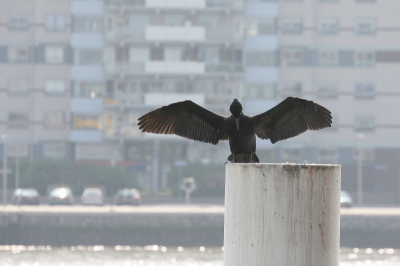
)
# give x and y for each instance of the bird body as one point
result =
(242, 141)
(289, 118)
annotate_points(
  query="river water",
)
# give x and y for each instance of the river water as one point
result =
(160, 256)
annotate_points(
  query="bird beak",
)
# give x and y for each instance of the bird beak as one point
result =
(237, 123)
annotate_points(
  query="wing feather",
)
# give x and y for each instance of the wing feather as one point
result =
(290, 118)
(185, 119)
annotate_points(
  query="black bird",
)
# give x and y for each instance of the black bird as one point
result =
(289, 118)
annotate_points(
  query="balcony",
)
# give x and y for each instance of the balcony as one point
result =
(174, 67)
(124, 68)
(176, 33)
(86, 136)
(125, 34)
(176, 4)
(86, 105)
(224, 4)
(90, 40)
(181, 4)
(125, 3)
(158, 99)
(87, 8)
(124, 100)
(225, 68)
(223, 34)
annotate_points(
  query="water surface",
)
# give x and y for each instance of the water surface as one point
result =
(161, 256)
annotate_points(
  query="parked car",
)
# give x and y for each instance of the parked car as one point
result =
(92, 196)
(61, 196)
(345, 199)
(25, 196)
(127, 196)
(15, 196)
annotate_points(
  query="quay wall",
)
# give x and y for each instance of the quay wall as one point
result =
(169, 226)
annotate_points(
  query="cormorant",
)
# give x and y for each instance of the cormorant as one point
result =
(289, 118)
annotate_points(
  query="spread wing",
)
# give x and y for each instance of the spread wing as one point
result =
(185, 119)
(290, 118)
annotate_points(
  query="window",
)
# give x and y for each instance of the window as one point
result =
(139, 54)
(364, 90)
(292, 56)
(292, 26)
(157, 54)
(260, 91)
(262, 1)
(290, 89)
(364, 58)
(260, 59)
(257, 27)
(328, 26)
(173, 54)
(328, 90)
(54, 150)
(54, 54)
(54, 87)
(88, 89)
(172, 85)
(18, 119)
(364, 123)
(87, 24)
(174, 19)
(54, 120)
(327, 156)
(18, 54)
(365, 26)
(327, 57)
(18, 86)
(140, 86)
(55, 22)
(88, 57)
(290, 154)
(93, 122)
(18, 22)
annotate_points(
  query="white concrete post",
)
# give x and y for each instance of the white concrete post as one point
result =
(282, 215)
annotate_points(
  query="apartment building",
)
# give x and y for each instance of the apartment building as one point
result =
(345, 55)
(77, 74)
(34, 82)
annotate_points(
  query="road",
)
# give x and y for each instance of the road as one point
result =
(171, 208)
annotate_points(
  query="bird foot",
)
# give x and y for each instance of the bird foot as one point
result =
(243, 158)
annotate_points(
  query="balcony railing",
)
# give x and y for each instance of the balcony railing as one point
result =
(236, 4)
(126, 34)
(119, 3)
(224, 67)
(175, 33)
(124, 68)
(224, 34)
(178, 67)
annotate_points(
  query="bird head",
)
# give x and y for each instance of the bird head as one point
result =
(236, 110)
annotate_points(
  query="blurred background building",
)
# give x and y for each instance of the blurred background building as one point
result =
(76, 75)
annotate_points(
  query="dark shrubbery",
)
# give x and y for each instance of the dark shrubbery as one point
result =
(77, 176)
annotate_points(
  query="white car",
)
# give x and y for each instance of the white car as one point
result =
(92, 196)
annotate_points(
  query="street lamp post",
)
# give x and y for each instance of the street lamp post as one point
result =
(4, 138)
(360, 136)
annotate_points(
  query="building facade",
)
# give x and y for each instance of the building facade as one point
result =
(77, 75)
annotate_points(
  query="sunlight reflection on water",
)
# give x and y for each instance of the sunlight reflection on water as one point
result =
(155, 255)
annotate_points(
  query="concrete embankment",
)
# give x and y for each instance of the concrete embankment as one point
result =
(170, 225)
